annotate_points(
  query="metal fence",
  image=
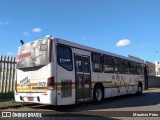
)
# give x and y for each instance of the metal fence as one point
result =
(153, 82)
(7, 74)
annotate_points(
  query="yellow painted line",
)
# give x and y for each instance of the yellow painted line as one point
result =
(25, 91)
(25, 88)
(30, 89)
(33, 84)
(30, 84)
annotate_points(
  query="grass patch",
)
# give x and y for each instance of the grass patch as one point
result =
(9, 95)
(8, 104)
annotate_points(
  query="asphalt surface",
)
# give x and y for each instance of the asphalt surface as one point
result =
(146, 106)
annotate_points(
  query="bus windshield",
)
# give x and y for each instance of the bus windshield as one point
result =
(33, 54)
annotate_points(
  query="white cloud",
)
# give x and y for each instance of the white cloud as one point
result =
(36, 30)
(3, 23)
(123, 42)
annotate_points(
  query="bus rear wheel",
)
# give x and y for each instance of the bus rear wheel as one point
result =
(140, 89)
(98, 94)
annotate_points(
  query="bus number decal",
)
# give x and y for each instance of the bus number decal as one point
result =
(42, 84)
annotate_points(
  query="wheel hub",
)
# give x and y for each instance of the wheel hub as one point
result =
(98, 94)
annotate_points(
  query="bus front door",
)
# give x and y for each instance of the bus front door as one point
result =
(83, 78)
(146, 77)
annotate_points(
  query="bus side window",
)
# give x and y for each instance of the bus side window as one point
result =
(118, 65)
(133, 66)
(86, 65)
(78, 63)
(64, 57)
(136, 69)
(108, 64)
(96, 62)
(140, 69)
(126, 66)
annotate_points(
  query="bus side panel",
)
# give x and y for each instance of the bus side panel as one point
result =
(130, 83)
(106, 79)
(62, 77)
(118, 84)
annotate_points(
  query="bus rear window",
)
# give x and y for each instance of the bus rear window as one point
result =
(33, 54)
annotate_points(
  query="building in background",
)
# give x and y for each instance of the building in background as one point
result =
(157, 66)
(151, 68)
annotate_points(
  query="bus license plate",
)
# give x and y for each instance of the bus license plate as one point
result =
(30, 98)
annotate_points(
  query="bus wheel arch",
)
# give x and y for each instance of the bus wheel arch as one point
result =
(98, 93)
(140, 88)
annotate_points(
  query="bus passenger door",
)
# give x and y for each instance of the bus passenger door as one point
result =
(83, 78)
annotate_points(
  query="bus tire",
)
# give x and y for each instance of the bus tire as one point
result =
(140, 89)
(98, 94)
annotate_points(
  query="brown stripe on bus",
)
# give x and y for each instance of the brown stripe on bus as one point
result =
(60, 83)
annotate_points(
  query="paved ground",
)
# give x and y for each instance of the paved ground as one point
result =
(123, 107)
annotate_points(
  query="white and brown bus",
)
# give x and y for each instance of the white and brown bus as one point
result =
(59, 72)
